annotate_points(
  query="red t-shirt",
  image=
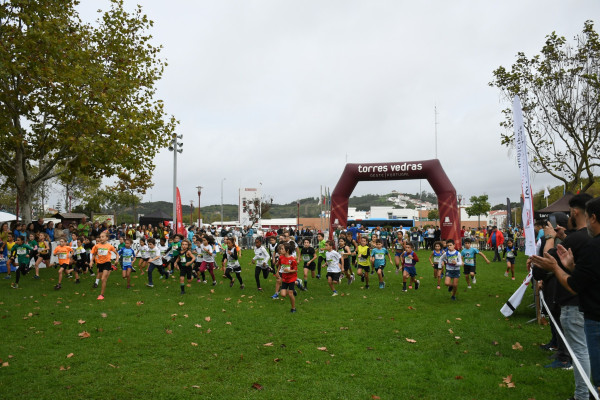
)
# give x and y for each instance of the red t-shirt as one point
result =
(290, 262)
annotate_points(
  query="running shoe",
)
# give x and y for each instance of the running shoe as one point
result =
(474, 280)
(417, 283)
(506, 274)
(14, 285)
(242, 286)
(453, 298)
(438, 286)
(231, 283)
(57, 287)
(95, 285)
(293, 310)
(335, 293)
(275, 296)
(149, 285)
(100, 297)
(469, 287)
(36, 277)
(8, 277)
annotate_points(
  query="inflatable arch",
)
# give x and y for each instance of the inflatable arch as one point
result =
(428, 169)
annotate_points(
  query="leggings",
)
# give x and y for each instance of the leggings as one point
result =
(237, 274)
(265, 273)
(321, 259)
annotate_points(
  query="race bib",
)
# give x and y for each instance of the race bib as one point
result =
(102, 252)
(379, 256)
(469, 260)
(306, 257)
(21, 251)
(62, 256)
(510, 254)
(436, 260)
(183, 259)
(362, 259)
(127, 259)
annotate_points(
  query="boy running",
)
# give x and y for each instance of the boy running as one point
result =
(289, 273)
(20, 252)
(322, 244)
(378, 260)
(409, 269)
(453, 262)
(469, 256)
(363, 263)
(261, 256)
(63, 252)
(127, 255)
(309, 256)
(511, 255)
(434, 259)
(101, 254)
(334, 265)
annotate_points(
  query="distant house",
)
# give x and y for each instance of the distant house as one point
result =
(68, 218)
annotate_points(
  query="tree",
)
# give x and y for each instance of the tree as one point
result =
(433, 215)
(479, 206)
(257, 208)
(560, 96)
(76, 98)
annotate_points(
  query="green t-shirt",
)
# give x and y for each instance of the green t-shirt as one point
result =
(384, 234)
(84, 229)
(22, 253)
(322, 244)
(175, 248)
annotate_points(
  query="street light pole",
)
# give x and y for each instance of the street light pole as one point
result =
(199, 215)
(175, 148)
(222, 180)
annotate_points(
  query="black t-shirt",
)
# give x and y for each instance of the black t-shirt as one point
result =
(307, 252)
(585, 279)
(576, 241)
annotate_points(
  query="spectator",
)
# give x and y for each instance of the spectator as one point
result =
(496, 240)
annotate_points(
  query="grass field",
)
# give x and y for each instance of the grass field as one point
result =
(219, 342)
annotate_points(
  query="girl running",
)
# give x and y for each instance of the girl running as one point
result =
(208, 250)
(233, 264)
(434, 259)
(184, 261)
(261, 256)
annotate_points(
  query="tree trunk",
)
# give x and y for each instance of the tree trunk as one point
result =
(25, 190)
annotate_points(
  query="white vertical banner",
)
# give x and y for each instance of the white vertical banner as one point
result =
(521, 143)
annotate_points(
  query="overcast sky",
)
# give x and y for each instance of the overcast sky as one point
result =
(284, 92)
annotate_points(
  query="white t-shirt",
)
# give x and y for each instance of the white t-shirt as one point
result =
(155, 252)
(333, 261)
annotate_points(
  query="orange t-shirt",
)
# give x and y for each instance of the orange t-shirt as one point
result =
(102, 252)
(63, 254)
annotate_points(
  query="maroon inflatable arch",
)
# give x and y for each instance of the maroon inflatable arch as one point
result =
(427, 169)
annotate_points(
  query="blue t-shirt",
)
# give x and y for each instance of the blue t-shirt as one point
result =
(127, 255)
(511, 252)
(469, 256)
(379, 256)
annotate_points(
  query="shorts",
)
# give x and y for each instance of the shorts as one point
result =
(64, 266)
(454, 274)
(104, 267)
(366, 268)
(185, 270)
(207, 266)
(288, 285)
(468, 269)
(412, 271)
(398, 254)
(126, 267)
(376, 267)
(335, 276)
(45, 256)
(510, 260)
(235, 269)
(145, 259)
(310, 266)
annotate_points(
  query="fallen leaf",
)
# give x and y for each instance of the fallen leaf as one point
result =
(478, 305)
(57, 322)
(81, 322)
(495, 343)
(113, 366)
(517, 346)
(228, 298)
(64, 369)
(168, 331)
(194, 344)
(69, 355)
(370, 348)
(507, 379)
(322, 348)
(456, 337)
(208, 330)
(510, 385)
(181, 303)
(207, 319)
(277, 359)
(212, 290)
(228, 323)
(458, 319)
(257, 386)
(343, 328)
(447, 321)
(5, 364)
(411, 308)
(139, 303)
(458, 377)
(450, 330)
(103, 315)
(195, 387)
(268, 344)
(198, 326)
(308, 362)
(84, 335)
(185, 315)
(375, 397)
(411, 340)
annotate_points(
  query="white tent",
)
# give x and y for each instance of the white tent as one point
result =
(4, 216)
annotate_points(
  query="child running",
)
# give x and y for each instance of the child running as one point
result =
(434, 259)
(233, 264)
(10, 242)
(20, 252)
(309, 256)
(143, 254)
(409, 269)
(378, 260)
(64, 262)
(334, 266)
(184, 262)
(101, 253)
(399, 248)
(363, 263)
(345, 252)
(154, 261)
(511, 255)
(322, 244)
(453, 261)
(289, 273)
(469, 256)
(208, 250)
(127, 255)
(261, 256)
